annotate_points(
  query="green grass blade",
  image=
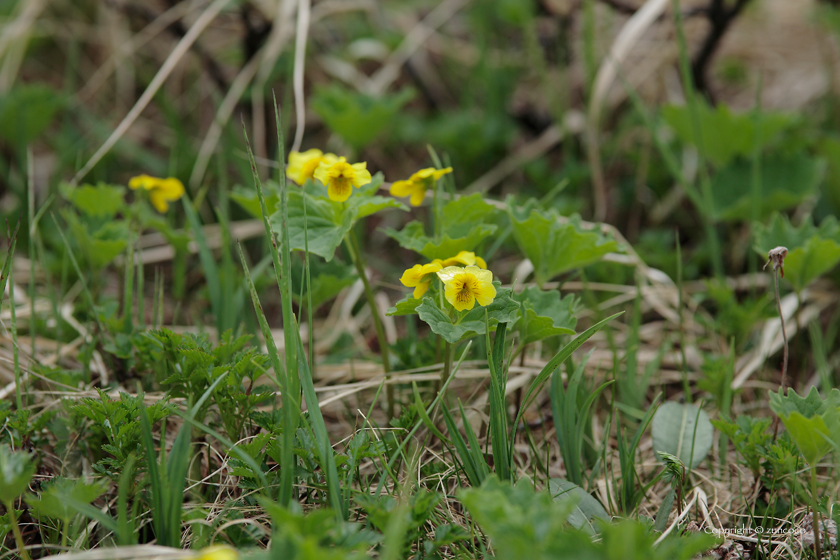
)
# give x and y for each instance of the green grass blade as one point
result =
(498, 412)
(287, 467)
(208, 264)
(322, 437)
(553, 364)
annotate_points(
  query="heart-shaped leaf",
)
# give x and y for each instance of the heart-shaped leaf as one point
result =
(785, 182)
(414, 238)
(544, 314)
(554, 247)
(503, 309)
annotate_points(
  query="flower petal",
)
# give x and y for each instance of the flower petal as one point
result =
(421, 289)
(449, 273)
(412, 276)
(142, 182)
(485, 294)
(431, 267)
(339, 190)
(159, 201)
(361, 175)
(401, 188)
(418, 195)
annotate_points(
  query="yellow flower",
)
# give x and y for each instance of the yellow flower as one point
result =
(464, 286)
(340, 177)
(415, 277)
(218, 552)
(161, 191)
(302, 165)
(466, 258)
(418, 183)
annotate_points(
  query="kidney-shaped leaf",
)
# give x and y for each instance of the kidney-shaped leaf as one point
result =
(502, 310)
(678, 429)
(544, 314)
(586, 509)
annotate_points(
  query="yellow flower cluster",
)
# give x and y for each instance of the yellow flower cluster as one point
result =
(463, 285)
(340, 177)
(161, 191)
(417, 185)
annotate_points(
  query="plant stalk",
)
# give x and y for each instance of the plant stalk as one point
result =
(815, 516)
(784, 333)
(358, 261)
(16, 530)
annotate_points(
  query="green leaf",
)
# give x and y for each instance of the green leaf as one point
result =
(503, 309)
(327, 222)
(554, 248)
(250, 200)
(544, 314)
(724, 135)
(673, 431)
(813, 422)
(414, 238)
(811, 435)
(406, 306)
(812, 251)
(26, 111)
(53, 501)
(356, 117)
(586, 508)
(467, 209)
(102, 246)
(325, 225)
(785, 182)
(16, 470)
(99, 201)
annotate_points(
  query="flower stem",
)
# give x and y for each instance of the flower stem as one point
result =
(358, 261)
(784, 333)
(16, 530)
(815, 515)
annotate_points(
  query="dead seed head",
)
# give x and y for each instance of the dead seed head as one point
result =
(777, 257)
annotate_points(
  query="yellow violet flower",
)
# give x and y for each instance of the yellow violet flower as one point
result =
(416, 185)
(340, 177)
(415, 277)
(464, 286)
(465, 258)
(161, 191)
(302, 165)
(218, 552)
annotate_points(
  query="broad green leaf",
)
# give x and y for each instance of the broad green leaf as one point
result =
(808, 406)
(502, 310)
(16, 470)
(250, 201)
(364, 201)
(467, 209)
(586, 508)
(673, 431)
(324, 224)
(99, 201)
(356, 117)
(724, 134)
(328, 279)
(53, 501)
(811, 435)
(807, 263)
(406, 306)
(101, 247)
(812, 421)
(554, 248)
(26, 111)
(414, 238)
(544, 314)
(785, 182)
